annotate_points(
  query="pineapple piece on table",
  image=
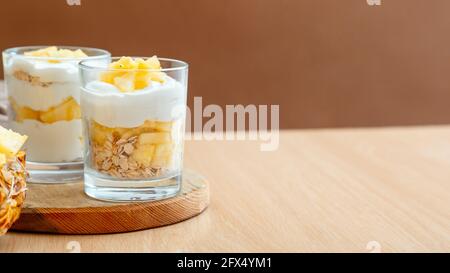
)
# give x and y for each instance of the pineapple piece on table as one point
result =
(10, 142)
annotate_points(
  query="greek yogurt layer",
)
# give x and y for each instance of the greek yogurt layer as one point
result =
(51, 143)
(41, 98)
(64, 71)
(105, 104)
(53, 83)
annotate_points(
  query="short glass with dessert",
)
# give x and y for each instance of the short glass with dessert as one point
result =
(43, 90)
(133, 112)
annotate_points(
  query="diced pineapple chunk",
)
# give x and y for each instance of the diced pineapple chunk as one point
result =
(100, 133)
(164, 149)
(153, 63)
(141, 80)
(143, 154)
(125, 83)
(124, 63)
(109, 76)
(126, 133)
(68, 110)
(149, 124)
(162, 155)
(163, 126)
(154, 138)
(10, 142)
(63, 53)
(141, 64)
(157, 76)
(43, 52)
(119, 131)
(159, 161)
(23, 113)
(79, 54)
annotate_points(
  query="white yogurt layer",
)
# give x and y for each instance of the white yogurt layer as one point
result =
(61, 72)
(63, 79)
(51, 143)
(105, 104)
(41, 98)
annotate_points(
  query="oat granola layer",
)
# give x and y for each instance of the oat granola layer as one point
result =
(114, 158)
(141, 152)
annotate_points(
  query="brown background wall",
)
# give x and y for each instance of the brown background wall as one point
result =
(326, 62)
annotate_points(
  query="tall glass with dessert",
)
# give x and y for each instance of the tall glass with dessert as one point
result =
(134, 112)
(43, 89)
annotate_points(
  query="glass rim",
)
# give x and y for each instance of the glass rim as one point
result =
(181, 65)
(13, 51)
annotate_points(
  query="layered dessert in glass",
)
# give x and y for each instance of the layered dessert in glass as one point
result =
(133, 119)
(43, 89)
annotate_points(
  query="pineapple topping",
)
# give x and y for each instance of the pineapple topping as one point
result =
(130, 74)
(55, 52)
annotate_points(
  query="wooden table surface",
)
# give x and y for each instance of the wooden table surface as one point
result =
(356, 190)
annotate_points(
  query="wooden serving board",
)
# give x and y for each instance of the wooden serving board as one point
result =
(64, 208)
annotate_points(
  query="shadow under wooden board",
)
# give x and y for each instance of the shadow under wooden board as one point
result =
(65, 209)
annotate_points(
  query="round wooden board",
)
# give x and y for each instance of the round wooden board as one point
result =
(65, 209)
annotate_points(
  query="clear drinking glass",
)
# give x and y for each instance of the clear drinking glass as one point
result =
(44, 95)
(133, 140)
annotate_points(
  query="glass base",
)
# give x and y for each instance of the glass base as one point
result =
(119, 190)
(55, 173)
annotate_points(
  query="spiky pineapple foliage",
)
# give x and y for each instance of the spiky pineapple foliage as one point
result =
(12, 190)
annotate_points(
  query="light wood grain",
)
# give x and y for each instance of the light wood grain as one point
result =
(65, 209)
(323, 190)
